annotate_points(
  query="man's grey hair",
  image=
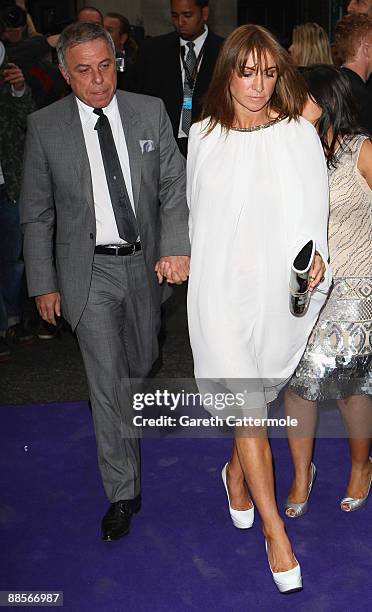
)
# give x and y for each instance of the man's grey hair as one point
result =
(80, 32)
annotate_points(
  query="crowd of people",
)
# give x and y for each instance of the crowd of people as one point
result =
(279, 157)
(31, 80)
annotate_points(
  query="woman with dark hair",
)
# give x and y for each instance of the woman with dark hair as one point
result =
(337, 363)
(257, 192)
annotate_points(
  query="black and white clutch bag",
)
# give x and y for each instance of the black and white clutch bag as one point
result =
(299, 294)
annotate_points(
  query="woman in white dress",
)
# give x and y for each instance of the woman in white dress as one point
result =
(257, 192)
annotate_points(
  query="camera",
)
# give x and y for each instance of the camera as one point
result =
(11, 15)
(120, 60)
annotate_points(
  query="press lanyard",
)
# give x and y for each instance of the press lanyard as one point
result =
(191, 78)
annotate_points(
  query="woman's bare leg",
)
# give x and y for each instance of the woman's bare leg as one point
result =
(256, 461)
(357, 414)
(301, 443)
(236, 484)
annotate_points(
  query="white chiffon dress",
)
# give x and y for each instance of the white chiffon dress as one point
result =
(256, 197)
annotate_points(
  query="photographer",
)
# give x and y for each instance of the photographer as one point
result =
(15, 104)
(11, 6)
(119, 29)
(33, 55)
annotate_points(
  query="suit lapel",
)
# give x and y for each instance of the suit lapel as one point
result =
(131, 127)
(75, 149)
(174, 68)
(206, 68)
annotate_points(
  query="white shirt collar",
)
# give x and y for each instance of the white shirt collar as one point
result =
(86, 111)
(199, 42)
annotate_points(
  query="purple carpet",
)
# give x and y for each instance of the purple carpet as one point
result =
(182, 552)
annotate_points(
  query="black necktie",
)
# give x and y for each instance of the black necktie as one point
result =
(188, 90)
(123, 211)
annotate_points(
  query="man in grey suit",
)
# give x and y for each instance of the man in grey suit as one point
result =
(104, 214)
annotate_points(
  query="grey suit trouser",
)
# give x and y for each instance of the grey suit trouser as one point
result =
(117, 335)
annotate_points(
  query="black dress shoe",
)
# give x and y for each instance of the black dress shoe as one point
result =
(115, 523)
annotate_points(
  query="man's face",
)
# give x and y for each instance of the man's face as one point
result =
(90, 16)
(91, 72)
(13, 35)
(112, 25)
(360, 6)
(188, 18)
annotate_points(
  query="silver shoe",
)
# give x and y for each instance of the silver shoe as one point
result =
(301, 508)
(355, 503)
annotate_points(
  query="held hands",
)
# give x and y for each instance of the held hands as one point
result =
(14, 76)
(317, 272)
(49, 306)
(173, 268)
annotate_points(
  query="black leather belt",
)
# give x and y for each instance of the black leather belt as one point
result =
(125, 249)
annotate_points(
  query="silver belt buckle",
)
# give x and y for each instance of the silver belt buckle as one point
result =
(116, 247)
(134, 249)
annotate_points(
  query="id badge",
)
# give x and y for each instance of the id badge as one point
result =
(187, 103)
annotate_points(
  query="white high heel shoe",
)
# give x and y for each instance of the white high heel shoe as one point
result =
(289, 581)
(242, 519)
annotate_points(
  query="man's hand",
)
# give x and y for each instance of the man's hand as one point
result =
(174, 268)
(49, 306)
(317, 271)
(14, 76)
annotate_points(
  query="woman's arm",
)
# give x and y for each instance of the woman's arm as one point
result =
(365, 161)
(31, 30)
(303, 180)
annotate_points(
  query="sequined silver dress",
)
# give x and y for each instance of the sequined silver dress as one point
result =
(337, 361)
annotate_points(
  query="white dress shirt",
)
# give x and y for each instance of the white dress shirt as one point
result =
(106, 228)
(199, 42)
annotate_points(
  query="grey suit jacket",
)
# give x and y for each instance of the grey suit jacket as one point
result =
(56, 203)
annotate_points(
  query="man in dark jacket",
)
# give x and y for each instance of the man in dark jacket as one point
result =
(177, 67)
(32, 56)
(365, 7)
(353, 40)
(15, 104)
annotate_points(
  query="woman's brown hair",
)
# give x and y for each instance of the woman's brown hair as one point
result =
(290, 91)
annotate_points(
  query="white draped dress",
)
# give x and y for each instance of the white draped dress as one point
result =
(256, 197)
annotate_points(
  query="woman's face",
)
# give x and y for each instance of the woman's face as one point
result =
(312, 111)
(253, 90)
